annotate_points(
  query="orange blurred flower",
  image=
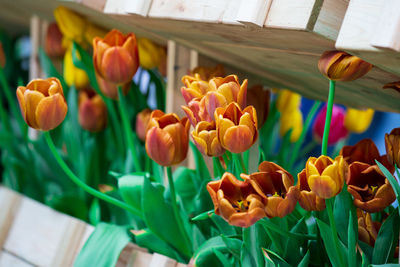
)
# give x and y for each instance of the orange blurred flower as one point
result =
(325, 176)
(259, 99)
(340, 66)
(54, 41)
(115, 57)
(308, 200)
(42, 103)
(2, 56)
(167, 138)
(392, 144)
(236, 201)
(206, 140)
(275, 185)
(207, 73)
(110, 89)
(142, 120)
(92, 111)
(236, 129)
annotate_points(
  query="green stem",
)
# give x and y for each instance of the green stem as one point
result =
(329, 207)
(307, 124)
(176, 209)
(127, 129)
(285, 233)
(84, 186)
(218, 169)
(324, 150)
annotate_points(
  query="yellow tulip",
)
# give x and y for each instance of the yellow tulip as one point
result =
(358, 121)
(287, 101)
(93, 31)
(73, 75)
(150, 53)
(71, 24)
(291, 120)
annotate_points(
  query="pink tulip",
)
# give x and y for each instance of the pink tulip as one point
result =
(337, 131)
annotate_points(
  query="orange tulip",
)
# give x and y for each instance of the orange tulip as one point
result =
(110, 89)
(54, 41)
(367, 229)
(392, 144)
(206, 140)
(167, 138)
(308, 200)
(340, 66)
(194, 87)
(92, 111)
(275, 185)
(42, 103)
(115, 57)
(259, 99)
(236, 201)
(393, 85)
(207, 73)
(325, 176)
(370, 189)
(236, 129)
(2, 56)
(142, 120)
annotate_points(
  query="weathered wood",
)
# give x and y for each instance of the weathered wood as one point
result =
(253, 12)
(9, 203)
(9, 260)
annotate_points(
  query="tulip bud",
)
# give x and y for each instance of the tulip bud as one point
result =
(392, 144)
(2, 56)
(308, 200)
(358, 121)
(340, 66)
(208, 73)
(236, 129)
(206, 140)
(167, 138)
(337, 130)
(236, 201)
(92, 111)
(115, 57)
(74, 76)
(42, 103)
(291, 120)
(71, 24)
(325, 176)
(54, 41)
(142, 120)
(150, 54)
(367, 229)
(110, 89)
(287, 101)
(194, 88)
(259, 99)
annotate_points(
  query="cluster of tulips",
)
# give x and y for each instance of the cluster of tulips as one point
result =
(224, 127)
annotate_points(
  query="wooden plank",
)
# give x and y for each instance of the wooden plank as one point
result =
(139, 259)
(159, 260)
(8, 260)
(253, 12)
(139, 7)
(387, 31)
(9, 205)
(115, 7)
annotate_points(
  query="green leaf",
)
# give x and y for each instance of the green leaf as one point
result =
(203, 216)
(95, 212)
(254, 238)
(352, 238)
(367, 252)
(130, 188)
(272, 256)
(305, 261)
(222, 258)
(329, 242)
(201, 167)
(343, 202)
(104, 246)
(392, 180)
(50, 70)
(156, 210)
(386, 241)
(71, 205)
(293, 244)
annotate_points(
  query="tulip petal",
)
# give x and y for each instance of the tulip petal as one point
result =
(238, 139)
(51, 111)
(323, 186)
(21, 101)
(160, 146)
(32, 100)
(117, 65)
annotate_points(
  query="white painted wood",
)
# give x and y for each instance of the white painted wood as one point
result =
(9, 204)
(387, 31)
(253, 12)
(231, 11)
(139, 259)
(9, 260)
(138, 7)
(159, 260)
(330, 18)
(115, 6)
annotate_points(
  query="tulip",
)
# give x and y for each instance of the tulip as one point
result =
(340, 66)
(275, 185)
(236, 201)
(207, 73)
(194, 88)
(236, 129)
(2, 56)
(196, 111)
(54, 41)
(393, 85)
(370, 189)
(337, 131)
(358, 121)
(392, 144)
(206, 140)
(287, 101)
(167, 138)
(74, 76)
(367, 229)
(92, 111)
(325, 176)
(71, 24)
(291, 120)
(92, 31)
(259, 99)
(111, 89)
(115, 57)
(142, 120)
(42, 103)
(150, 54)
(308, 200)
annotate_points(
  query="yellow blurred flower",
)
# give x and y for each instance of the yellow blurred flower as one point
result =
(150, 53)
(93, 31)
(287, 101)
(73, 75)
(358, 121)
(291, 120)
(71, 24)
